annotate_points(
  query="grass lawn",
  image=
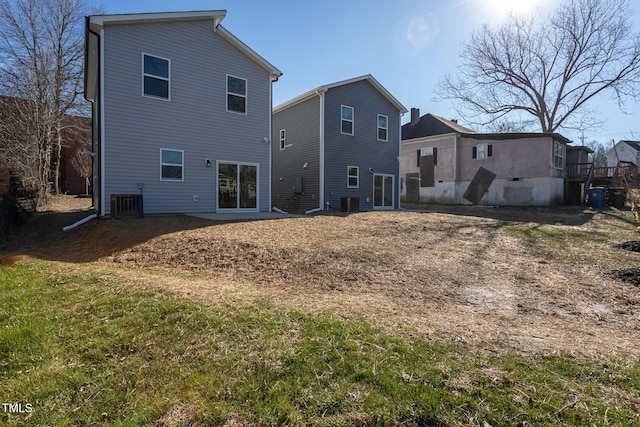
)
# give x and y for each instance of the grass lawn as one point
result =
(81, 348)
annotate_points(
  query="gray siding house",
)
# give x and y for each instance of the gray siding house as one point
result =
(337, 146)
(181, 113)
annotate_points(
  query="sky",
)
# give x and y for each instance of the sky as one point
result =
(407, 45)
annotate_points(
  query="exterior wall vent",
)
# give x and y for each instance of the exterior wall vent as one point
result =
(126, 206)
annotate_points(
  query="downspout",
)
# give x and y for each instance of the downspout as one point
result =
(82, 221)
(273, 79)
(398, 186)
(321, 93)
(86, 55)
(103, 196)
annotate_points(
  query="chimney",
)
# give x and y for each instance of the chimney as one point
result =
(415, 116)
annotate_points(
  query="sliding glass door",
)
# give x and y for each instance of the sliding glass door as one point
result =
(237, 186)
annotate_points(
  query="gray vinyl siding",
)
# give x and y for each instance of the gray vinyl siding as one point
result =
(302, 125)
(194, 120)
(363, 148)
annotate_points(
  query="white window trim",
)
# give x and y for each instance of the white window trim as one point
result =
(378, 127)
(167, 79)
(353, 120)
(245, 96)
(171, 164)
(283, 140)
(561, 156)
(235, 162)
(357, 176)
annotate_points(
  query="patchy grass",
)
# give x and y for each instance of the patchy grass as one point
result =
(82, 348)
(575, 244)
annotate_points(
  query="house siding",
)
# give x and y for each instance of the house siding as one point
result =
(302, 125)
(363, 148)
(195, 119)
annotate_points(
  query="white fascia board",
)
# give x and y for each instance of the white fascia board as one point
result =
(293, 101)
(236, 42)
(429, 138)
(298, 99)
(138, 18)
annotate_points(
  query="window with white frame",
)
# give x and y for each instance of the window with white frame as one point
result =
(155, 76)
(171, 165)
(346, 123)
(558, 155)
(353, 177)
(236, 94)
(283, 139)
(383, 128)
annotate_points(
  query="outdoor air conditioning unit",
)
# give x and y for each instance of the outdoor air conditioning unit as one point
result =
(349, 204)
(126, 206)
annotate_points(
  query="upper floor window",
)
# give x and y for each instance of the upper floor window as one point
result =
(155, 76)
(558, 155)
(346, 115)
(171, 165)
(283, 139)
(353, 177)
(236, 94)
(383, 127)
(482, 151)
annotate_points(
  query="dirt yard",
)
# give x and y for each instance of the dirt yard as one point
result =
(533, 280)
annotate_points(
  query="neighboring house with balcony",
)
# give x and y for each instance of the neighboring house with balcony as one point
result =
(337, 147)
(181, 113)
(443, 162)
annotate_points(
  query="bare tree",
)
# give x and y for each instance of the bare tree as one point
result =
(599, 155)
(41, 46)
(548, 70)
(82, 160)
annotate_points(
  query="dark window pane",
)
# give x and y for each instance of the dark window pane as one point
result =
(169, 156)
(171, 172)
(236, 103)
(347, 113)
(347, 127)
(248, 186)
(156, 87)
(156, 66)
(237, 86)
(388, 191)
(227, 185)
(382, 134)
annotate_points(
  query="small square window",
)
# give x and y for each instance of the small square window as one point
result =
(383, 127)
(236, 95)
(171, 165)
(155, 76)
(482, 151)
(353, 178)
(346, 125)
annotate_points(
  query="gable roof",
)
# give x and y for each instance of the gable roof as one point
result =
(430, 125)
(97, 22)
(313, 92)
(633, 144)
